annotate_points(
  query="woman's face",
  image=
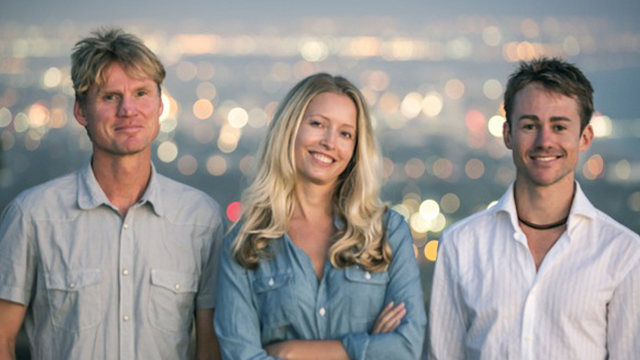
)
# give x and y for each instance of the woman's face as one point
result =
(326, 138)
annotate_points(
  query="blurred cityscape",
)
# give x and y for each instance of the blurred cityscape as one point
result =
(435, 91)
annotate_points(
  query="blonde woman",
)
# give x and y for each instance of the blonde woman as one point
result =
(318, 267)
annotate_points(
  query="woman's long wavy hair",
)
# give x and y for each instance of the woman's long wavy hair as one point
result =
(268, 203)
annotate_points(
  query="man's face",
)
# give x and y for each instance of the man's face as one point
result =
(545, 136)
(122, 117)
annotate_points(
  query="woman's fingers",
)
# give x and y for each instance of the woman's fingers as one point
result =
(389, 318)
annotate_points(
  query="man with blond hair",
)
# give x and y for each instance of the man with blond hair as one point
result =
(114, 261)
(543, 274)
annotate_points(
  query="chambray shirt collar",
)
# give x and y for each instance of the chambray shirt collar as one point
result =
(91, 195)
(581, 207)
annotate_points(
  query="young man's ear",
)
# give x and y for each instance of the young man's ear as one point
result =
(586, 138)
(79, 113)
(506, 135)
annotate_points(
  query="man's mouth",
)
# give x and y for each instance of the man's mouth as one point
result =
(545, 158)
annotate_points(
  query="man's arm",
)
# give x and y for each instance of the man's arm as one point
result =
(11, 317)
(623, 318)
(206, 342)
(447, 321)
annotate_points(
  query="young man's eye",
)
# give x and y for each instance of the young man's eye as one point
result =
(142, 93)
(559, 127)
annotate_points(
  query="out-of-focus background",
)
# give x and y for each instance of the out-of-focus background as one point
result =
(432, 71)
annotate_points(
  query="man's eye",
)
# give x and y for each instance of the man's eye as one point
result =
(142, 93)
(559, 127)
(109, 97)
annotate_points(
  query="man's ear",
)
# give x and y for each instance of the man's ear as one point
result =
(79, 113)
(586, 138)
(506, 135)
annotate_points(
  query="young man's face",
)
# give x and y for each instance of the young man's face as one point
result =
(545, 136)
(122, 117)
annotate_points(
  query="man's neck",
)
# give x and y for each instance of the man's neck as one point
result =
(544, 204)
(123, 179)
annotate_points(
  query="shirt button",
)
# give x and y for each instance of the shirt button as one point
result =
(177, 286)
(72, 285)
(271, 282)
(125, 272)
(367, 275)
(322, 311)
(125, 318)
(125, 226)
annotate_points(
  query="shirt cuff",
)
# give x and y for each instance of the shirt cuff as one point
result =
(205, 302)
(356, 345)
(14, 294)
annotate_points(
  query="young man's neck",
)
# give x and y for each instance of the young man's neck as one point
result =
(544, 204)
(123, 179)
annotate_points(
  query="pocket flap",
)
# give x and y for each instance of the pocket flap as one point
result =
(174, 281)
(357, 274)
(271, 282)
(72, 280)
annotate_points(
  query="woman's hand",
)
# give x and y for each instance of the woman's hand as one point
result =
(389, 318)
(279, 349)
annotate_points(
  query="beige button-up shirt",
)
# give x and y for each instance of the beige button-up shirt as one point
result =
(100, 286)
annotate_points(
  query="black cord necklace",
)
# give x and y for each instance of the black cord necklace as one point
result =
(543, 227)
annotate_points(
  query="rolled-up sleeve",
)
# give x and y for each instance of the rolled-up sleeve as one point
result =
(207, 288)
(236, 319)
(447, 323)
(17, 256)
(404, 286)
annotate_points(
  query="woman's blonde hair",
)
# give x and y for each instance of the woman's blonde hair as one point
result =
(268, 203)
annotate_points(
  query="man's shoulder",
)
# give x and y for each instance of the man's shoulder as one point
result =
(57, 192)
(472, 224)
(616, 230)
(184, 200)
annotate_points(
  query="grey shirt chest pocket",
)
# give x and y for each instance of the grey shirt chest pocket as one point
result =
(275, 298)
(172, 300)
(366, 292)
(75, 298)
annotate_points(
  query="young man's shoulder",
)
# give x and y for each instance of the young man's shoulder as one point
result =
(615, 230)
(473, 224)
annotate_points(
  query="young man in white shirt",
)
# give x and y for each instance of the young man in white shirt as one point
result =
(543, 274)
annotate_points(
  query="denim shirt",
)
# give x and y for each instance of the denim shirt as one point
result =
(283, 300)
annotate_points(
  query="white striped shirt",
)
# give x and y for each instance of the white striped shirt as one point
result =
(489, 302)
